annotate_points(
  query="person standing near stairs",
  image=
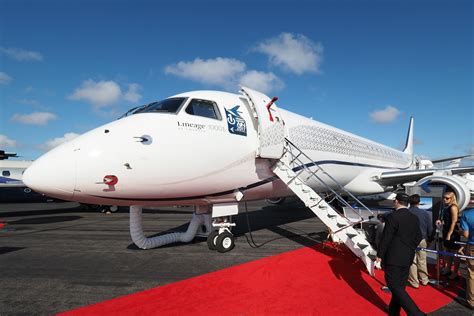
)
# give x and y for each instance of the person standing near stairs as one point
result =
(401, 236)
(451, 234)
(467, 226)
(419, 269)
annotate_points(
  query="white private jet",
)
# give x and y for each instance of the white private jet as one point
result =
(14, 190)
(216, 149)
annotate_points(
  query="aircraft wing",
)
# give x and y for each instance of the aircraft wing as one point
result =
(398, 177)
(450, 158)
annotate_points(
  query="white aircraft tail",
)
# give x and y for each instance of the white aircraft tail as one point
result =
(291, 169)
(409, 142)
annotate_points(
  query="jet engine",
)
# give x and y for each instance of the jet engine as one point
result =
(454, 184)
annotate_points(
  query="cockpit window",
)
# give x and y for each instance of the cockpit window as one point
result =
(5, 173)
(204, 108)
(170, 105)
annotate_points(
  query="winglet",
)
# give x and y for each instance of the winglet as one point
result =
(409, 143)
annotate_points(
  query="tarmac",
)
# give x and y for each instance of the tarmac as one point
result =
(55, 257)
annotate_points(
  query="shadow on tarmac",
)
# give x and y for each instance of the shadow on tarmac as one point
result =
(266, 218)
(4, 250)
(44, 220)
(41, 212)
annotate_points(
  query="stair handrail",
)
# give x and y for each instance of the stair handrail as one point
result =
(338, 196)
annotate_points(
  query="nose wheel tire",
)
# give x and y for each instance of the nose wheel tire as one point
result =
(225, 242)
(211, 240)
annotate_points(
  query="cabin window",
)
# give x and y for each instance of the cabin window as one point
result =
(203, 108)
(170, 105)
(5, 173)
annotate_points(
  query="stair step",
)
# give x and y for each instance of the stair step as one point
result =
(372, 256)
(323, 210)
(283, 167)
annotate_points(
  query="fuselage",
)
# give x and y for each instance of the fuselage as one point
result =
(202, 153)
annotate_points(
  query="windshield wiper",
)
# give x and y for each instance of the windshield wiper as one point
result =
(131, 111)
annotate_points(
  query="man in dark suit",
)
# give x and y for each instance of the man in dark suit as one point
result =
(401, 236)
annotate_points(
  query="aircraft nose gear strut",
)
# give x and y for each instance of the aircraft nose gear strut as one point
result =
(221, 239)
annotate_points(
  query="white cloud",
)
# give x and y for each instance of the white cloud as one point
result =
(295, 53)
(219, 71)
(4, 78)
(7, 142)
(50, 144)
(21, 54)
(387, 115)
(104, 93)
(35, 118)
(100, 93)
(261, 81)
(132, 94)
(226, 73)
(29, 89)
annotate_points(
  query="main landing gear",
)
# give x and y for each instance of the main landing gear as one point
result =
(221, 239)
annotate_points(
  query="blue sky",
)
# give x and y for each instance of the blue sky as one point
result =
(363, 66)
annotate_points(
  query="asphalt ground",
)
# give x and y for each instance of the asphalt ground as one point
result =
(55, 257)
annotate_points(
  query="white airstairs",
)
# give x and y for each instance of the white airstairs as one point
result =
(294, 168)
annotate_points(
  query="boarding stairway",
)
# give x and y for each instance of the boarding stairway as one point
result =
(295, 169)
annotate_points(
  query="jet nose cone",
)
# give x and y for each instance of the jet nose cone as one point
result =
(53, 174)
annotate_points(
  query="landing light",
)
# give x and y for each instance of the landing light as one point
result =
(110, 180)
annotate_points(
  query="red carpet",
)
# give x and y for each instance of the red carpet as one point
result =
(323, 280)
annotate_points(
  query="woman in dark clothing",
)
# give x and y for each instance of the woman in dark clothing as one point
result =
(449, 218)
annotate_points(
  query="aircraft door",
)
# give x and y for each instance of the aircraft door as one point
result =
(270, 124)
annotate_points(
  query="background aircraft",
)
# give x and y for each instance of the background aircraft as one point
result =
(12, 188)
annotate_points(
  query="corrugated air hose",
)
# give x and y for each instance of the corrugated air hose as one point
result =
(143, 242)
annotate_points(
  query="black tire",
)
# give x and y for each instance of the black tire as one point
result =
(225, 242)
(211, 240)
(92, 207)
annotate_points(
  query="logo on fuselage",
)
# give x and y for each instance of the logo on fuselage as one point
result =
(191, 126)
(235, 123)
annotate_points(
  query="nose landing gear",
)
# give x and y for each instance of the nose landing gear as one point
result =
(225, 242)
(221, 239)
